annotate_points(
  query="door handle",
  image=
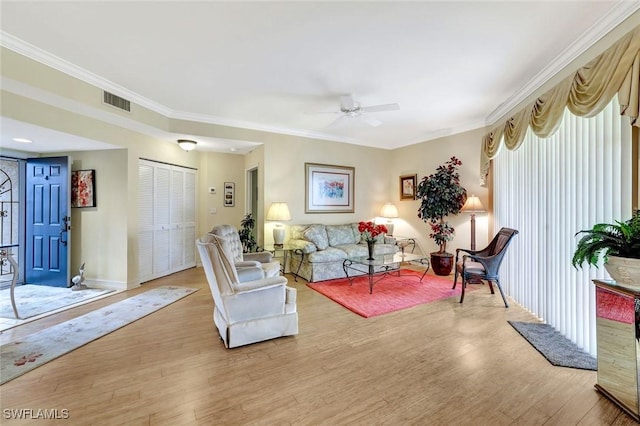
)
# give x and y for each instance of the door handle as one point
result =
(66, 225)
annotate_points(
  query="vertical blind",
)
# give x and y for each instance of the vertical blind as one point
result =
(549, 189)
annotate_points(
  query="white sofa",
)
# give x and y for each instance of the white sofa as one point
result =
(322, 249)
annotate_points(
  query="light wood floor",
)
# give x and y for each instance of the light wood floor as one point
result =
(437, 364)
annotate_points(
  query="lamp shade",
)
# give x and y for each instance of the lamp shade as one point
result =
(473, 205)
(278, 211)
(389, 210)
(187, 144)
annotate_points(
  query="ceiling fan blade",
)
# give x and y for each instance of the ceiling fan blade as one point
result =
(347, 102)
(337, 121)
(370, 121)
(380, 108)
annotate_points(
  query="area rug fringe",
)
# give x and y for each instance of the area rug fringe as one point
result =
(23, 355)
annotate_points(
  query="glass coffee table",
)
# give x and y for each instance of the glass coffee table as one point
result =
(381, 264)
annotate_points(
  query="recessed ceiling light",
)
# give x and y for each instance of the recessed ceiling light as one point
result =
(232, 149)
(22, 140)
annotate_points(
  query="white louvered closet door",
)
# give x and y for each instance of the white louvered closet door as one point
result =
(183, 219)
(145, 221)
(167, 225)
(161, 220)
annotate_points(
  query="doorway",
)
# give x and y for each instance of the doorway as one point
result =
(11, 207)
(35, 211)
(252, 197)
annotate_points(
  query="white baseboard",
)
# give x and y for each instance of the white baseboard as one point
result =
(109, 285)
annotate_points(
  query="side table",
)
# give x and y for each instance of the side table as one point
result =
(284, 252)
(405, 242)
(618, 340)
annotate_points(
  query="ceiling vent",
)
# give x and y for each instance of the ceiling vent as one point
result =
(117, 101)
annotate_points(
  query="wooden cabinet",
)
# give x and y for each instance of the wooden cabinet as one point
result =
(618, 335)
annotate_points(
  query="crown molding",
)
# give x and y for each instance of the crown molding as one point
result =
(30, 51)
(607, 23)
(39, 55)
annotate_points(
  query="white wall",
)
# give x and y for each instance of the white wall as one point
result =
(215, 169)
(99, 234)
(284, 178)
(423, 159)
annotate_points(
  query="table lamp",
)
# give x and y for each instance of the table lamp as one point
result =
(473, 206)
(279, 211)
(389, 211)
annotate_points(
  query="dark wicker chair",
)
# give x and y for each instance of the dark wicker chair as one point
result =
(484, 264)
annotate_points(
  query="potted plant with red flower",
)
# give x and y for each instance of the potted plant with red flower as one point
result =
(441, 195)
(369, 232)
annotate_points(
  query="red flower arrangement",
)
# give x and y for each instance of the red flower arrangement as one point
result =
(370, 231)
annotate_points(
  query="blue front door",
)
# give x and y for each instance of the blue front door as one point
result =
(47, 221)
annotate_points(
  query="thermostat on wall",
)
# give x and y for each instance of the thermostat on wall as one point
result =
(212, 190)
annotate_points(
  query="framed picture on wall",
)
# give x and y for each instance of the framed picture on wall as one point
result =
(229, 194)
(408, 187)
(83, 188)
(329, 189)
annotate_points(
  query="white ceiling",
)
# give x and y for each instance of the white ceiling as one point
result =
(450, 65)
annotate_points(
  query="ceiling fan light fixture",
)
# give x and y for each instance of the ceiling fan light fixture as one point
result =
(187, 144)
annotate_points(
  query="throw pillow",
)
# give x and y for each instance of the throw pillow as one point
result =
(340, 234)
(317, 235)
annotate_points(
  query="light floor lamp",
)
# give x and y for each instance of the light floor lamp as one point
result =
(473, 206)
(389, 211)
(279, 211)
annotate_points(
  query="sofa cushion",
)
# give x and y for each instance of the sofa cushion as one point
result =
(331, 254)
(353, 250)
(317, 234)
(340, 234)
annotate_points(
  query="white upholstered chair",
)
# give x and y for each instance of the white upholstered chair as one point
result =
(242, 260)
(248, 307)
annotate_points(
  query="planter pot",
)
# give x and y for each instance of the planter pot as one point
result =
(624, 270)
(442, 263)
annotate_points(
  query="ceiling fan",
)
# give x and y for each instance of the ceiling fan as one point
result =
(349, 108)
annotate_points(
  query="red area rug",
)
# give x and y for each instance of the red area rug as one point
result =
(390, 294)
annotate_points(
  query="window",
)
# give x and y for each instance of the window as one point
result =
(549, 189)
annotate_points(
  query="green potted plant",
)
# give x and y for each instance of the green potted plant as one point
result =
(440, 195)
(245, 232)
(618, 244)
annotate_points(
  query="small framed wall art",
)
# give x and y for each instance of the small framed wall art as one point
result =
(229, 194)
(328, 189)
(408, 187)
(83, 188)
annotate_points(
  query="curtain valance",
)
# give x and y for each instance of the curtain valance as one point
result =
(585, 93)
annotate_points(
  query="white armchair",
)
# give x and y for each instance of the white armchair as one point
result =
(248, 307)
(242, 260)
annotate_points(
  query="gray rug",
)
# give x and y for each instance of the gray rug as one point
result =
(556, 348)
